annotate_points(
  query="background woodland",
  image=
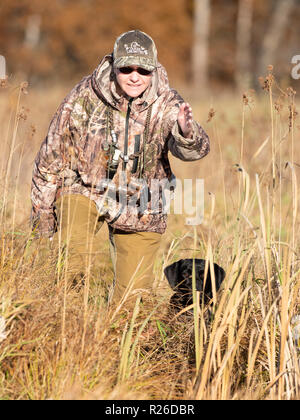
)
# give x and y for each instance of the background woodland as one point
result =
(202, 43)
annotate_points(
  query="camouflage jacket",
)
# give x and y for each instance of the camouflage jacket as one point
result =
(74, 157)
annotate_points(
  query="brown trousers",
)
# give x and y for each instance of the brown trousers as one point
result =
(132, 254)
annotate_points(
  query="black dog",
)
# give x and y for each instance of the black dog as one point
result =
(179, 275)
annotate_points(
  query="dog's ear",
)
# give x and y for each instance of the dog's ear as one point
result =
(172, 272)
(219, 275)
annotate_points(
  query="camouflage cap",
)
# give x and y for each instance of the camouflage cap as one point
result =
(135, 48)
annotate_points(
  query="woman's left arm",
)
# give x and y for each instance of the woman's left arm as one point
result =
(187, 140)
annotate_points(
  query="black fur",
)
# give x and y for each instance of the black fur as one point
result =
(179, 275)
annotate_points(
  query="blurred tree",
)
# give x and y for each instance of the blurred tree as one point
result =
(32, 30)
(2, 67)
(202, 12)
(275, 32)
(243, 57)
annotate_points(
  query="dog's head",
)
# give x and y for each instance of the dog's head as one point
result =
(179, 275)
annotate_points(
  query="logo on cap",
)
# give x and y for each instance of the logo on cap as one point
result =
(135, 48)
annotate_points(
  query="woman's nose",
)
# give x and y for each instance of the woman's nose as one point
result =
(134, 76)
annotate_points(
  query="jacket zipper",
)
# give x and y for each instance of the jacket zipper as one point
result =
(126, 134)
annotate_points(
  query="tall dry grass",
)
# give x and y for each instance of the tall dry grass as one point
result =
(60, 341)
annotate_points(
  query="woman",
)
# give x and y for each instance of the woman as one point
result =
(107, 142)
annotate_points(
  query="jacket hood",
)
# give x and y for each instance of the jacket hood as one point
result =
(105, 85)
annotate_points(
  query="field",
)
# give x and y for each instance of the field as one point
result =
(63, 342)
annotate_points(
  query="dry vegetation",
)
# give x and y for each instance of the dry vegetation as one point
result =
(59, 341)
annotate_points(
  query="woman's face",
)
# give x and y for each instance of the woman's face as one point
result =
(133, 80)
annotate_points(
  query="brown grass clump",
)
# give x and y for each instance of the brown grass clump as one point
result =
(63, 341)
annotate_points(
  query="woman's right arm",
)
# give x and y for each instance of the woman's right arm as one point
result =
(49, 162)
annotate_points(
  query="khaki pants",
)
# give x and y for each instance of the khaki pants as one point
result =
(132, 254)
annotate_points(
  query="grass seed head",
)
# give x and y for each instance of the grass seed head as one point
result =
(24, 87)
(211, 114)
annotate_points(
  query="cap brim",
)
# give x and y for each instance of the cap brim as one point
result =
(142, 62)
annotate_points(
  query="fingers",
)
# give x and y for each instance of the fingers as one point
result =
(187, 109)
(185, 118)
(188, 113)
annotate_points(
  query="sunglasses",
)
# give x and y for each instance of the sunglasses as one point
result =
(140, 70)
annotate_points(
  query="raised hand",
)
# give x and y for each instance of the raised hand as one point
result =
(185, 119)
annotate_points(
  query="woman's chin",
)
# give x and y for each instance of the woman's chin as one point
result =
(134, 93)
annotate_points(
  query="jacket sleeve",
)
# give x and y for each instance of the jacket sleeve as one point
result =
(186, 149)
(49, 163)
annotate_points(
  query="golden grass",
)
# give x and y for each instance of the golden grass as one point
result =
(63, 342)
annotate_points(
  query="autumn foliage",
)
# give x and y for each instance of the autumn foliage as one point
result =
(74, 35)
(65, 39)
